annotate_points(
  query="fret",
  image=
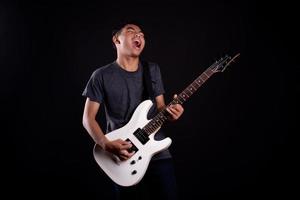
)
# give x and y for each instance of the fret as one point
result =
(188, 92)
(162, 116)
(193, 85)
(146, 130)
(151, 128)
(205, 74)
(158, 121)
(181, 98)
(198, 85)
(153, 125)
(203, 78)
(185, 95)
(200, 81)
(191, 89)
(209, 72)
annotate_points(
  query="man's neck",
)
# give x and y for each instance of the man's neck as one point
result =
(128, 63)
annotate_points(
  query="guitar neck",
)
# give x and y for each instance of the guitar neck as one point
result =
(193, 87)
(162, 116)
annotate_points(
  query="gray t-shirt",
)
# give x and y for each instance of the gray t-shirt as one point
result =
(121, 91)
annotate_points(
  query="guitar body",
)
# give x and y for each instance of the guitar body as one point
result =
(131, 171)
(140, 132)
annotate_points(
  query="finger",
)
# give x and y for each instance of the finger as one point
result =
(173, 111)
(126, 146)
(122, 157)
(169, 111)
(131, 154)
(171, 114)
(123, 142)
(175, 96)
(126, 154)
(178, 108)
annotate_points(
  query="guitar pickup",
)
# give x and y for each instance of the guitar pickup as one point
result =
(141, 135)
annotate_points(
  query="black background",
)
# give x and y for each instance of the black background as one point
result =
(234, 139)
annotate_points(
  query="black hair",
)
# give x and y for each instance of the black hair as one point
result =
(118, 27)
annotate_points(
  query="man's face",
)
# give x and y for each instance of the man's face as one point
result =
(130, 41)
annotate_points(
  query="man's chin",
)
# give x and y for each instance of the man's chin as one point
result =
(135, 54)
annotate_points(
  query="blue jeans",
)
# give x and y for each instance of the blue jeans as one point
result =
(158, 183)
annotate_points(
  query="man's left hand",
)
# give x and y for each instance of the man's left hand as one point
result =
(175, 110)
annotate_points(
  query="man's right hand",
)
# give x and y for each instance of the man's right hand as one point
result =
(119, 148)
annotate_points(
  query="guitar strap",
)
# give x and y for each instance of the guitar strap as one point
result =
(148, 91)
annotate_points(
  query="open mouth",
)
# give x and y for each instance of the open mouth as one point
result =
(137, 44)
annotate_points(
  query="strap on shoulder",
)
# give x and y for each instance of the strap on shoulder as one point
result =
(148, 91)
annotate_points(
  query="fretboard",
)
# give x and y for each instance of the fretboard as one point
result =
(162, 116)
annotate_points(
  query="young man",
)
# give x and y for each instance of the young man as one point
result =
(119, 87)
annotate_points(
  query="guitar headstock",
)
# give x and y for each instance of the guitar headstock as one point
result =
(220, 65)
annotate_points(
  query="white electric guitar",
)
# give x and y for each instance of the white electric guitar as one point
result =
(140, 132)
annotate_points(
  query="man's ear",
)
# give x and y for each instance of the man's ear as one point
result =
(115, 40)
